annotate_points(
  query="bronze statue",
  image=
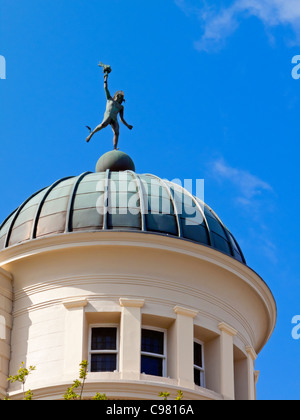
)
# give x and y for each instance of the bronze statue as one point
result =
(114, 108)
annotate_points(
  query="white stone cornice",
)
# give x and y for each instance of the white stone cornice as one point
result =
(227, 329)
(75, 303)
(256, 376)
(251, 352)
(132, 303)
(185, 311)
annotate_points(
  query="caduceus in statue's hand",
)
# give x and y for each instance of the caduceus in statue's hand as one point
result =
(114, 108)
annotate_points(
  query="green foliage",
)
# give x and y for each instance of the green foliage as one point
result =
(28, 395)
(70, 393)
(21, 377)
(22, 374)
(164, 395)
(78, 385)
(99, 397)
(179, 396)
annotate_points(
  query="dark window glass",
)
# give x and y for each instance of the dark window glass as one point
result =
(198, 364)
(152, 365)
(164, 223)
(194, 232)
(197, 377)
(198, 354)
(103, 362)
(126, 221)
(152, 341)
(221, 244)
(104, 339)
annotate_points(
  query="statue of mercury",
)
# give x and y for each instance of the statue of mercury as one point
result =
(114, 108)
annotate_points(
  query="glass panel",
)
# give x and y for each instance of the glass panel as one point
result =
(153, 341)
(104, 339)
(103, 362)
(6, 225)
(220, 243)
(163, 223)
(194, 232)
(88, 185)
(123, 199)
(238, 257)
(198, 355)
(236, 251)
(152, 366)
(53, 223)
(90, 200)
(125, 221)
(85, 219)
(159, 205)
(21, 233)
(215, 226)
(152, 187)
(197, 377)
(29, 211)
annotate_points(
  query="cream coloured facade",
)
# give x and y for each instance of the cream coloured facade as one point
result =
(55, 289)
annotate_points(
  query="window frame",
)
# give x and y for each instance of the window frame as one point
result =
(116, 352)
(199, 368)
(157, 355)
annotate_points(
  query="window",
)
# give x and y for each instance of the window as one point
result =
(104, 349)
(199, 377)
(153, 360)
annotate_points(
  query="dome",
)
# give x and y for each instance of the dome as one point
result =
(118, 201)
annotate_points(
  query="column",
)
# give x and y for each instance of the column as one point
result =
(6, 297)
(184, 342)
(75, 336)
(251, 357)
(130, 338)
(226, 361)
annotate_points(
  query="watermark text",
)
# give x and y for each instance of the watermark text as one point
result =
(296, 328)
(296, 68)
(146, 195)
(2, 67)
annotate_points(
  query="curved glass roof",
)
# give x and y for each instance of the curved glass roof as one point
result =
(120, 201)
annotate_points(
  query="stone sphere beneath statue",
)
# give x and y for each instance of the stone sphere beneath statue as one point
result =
(115, 161)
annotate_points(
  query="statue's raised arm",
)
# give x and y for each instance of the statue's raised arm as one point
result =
(106, 71)
(107, 92)
(114, 108)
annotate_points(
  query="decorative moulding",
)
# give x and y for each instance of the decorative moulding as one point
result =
(227, 329)
(185, 311)
(132, 303)
(250, 350)
(75, 303)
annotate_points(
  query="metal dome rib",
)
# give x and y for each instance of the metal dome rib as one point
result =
(79, 199)
(168, 189)
(141, 195)
(17, 213)
(41, 204)
(69, 219)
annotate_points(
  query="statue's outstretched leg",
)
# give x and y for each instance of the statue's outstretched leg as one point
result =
(116, 130)
(100, 127)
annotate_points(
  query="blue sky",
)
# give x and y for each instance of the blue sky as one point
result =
(209, 91)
